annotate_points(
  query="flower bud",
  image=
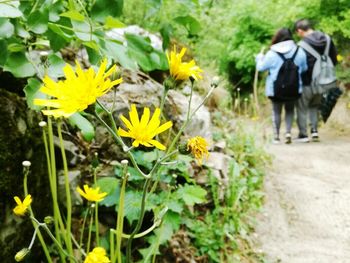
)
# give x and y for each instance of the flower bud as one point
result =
(20, 255)
(183, 148)
(215, 81)
(42, 124)
(48, 220)
(169, 83)
(26, 163)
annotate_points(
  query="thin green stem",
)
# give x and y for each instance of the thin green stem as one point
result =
(41, 239)
(97, 232)
(96, 225)
(111, 245)
(68, 195)
(83, 227)
(54, 239)
(89, 235)
(140, 220)
(58, 222)
(120, 220)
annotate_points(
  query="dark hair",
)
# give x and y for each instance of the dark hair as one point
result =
(303, 24)
(282, 34)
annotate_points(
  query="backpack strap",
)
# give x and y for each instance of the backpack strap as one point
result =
(309, 49)
(293, 56)
(328, 44)
(295, 53)
(281, 56)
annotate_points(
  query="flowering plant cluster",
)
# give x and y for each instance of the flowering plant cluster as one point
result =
(75, 93)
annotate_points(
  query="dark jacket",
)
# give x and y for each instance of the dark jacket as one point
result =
(318, 41)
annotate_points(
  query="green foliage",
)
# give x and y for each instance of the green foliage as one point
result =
(84, 125)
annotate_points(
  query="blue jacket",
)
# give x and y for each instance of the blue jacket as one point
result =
(272, 62)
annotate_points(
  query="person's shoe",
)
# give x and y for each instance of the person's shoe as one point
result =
(314, 136)
(288, 138)
(276, 140)
(302, 138)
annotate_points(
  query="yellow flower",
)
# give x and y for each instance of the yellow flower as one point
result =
(22, 207)
(97, 255)
(91, 194)
(77, 91)
(182, 70)
(143, 131)
(198, 147)
(339, 58)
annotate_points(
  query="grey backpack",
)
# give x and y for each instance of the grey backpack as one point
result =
(323, 73)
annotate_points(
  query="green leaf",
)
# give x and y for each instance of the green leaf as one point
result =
(132, 205)
(3, 51)
(166, 32)
(20, 30)
(6, 28)
(139, 43)
(175, 205)
(145, 159)
(104, 8)
(56, 64)
(192, 194)
(16, 47)
(38, 21)
(32, 92)
(85, 126)
(18, 64)
(82, 30)
(57, 30)
(74, 15)
(110, 185)
(119, 53)
(153, 7)
(190, 23)
(112, 22)
(10, 9)
(91, 44)
(94, 56)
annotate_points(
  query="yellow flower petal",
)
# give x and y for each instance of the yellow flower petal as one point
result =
(143, 131)
(79, 89)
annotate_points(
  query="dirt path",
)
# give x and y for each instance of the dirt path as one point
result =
(306, 217)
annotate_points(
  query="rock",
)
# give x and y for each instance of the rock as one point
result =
(118, 34)
(200, 124)
(220, 162)
(20, 139)
(72, 151)
(74, 182)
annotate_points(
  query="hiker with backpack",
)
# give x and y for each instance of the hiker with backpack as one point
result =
(317, 80)
(285, 62)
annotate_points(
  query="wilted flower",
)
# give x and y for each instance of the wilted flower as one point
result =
(198, 147)
(77, 91)
(182, 70)
(91, 194)
(144, 130)
(97, 255)
(22, 207)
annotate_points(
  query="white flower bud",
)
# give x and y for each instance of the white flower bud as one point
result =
(26, 163)
(215, 81)
(42, 124)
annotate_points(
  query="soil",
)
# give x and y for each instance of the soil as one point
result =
(306, 216)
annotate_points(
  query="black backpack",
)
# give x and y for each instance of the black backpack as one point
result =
(286, 86)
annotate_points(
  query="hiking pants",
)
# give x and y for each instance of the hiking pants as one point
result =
(307, 107)
(276, 116)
